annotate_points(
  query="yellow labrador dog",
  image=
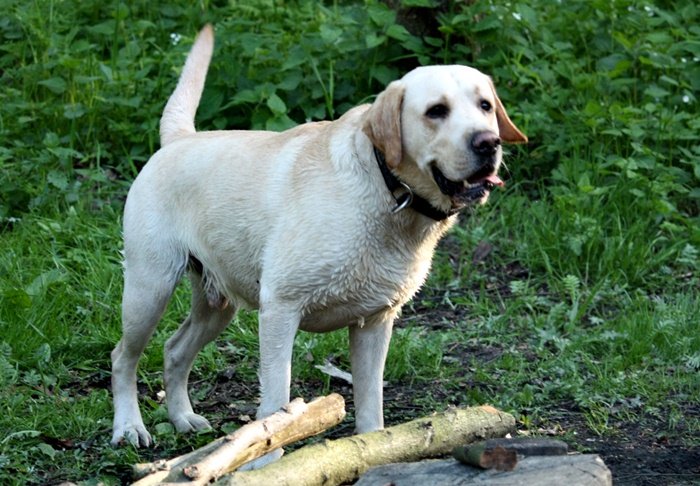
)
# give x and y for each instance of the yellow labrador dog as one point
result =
(323, 226)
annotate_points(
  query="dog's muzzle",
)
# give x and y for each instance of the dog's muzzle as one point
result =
(484, 145)
(472, 189)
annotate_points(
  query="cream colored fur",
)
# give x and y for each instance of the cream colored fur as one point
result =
(297, 224)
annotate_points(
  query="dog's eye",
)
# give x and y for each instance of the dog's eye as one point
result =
(437, 111)
(486, 105)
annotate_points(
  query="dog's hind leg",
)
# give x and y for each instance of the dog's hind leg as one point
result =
(203, 325)
(146, 293)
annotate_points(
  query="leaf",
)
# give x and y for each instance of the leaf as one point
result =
(164, 429)
(276, 105)
(210, 105)
(107, 71)
(419, 3)
(296, 57)
(486, 24)
(133, 102)
(655, 91)
(43, 353)
(528, 15)
(105, 28)
(44, 281)
(21, 434)
(668, 80)
(73, 111)
(381, 15)
(659, 38)
(291, 81)
(615, 64)
(622, 39)
(373, 40)
(384, 74)
(398, 32)
(57, 84)
(279, 123)
(47, 450)
(330, 34)
(58, 180)
(243, 96)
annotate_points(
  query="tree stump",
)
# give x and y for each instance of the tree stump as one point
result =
(571, 470)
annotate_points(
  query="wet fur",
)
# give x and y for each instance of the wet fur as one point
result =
(297, 224)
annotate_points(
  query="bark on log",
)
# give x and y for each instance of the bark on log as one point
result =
(344, 460)
(296, 421)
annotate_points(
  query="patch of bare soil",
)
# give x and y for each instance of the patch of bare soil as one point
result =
(636, 453)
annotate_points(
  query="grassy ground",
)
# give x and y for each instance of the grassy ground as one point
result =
(571, 300)
(491, 326)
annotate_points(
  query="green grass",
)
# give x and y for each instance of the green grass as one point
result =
(584, 292)
(613, 349)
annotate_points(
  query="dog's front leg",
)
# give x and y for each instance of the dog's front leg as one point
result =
(278, 324)
(369, 345)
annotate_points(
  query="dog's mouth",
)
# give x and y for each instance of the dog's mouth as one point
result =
(473, 188)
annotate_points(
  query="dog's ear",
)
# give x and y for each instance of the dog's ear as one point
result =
(383, 123)
(508, 132)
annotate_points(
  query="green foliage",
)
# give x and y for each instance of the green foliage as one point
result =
(296, 64)
(95, 76)
(607, 92)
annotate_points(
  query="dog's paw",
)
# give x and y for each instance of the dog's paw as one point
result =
(190, 422)
(135, 434)
(263, 461)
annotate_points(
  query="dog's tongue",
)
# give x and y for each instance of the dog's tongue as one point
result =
(493, 179)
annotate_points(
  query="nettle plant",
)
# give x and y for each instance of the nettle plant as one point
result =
(608, 91)
(278, 67)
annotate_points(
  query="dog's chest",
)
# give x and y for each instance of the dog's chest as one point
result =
(367, 279)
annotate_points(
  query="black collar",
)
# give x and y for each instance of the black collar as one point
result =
(406, 197)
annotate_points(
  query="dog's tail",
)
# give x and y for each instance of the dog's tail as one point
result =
(179, 112)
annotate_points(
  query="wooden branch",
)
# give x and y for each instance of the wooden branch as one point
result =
(480, 455)
(503, 454)
(343, 460)
(296, 421)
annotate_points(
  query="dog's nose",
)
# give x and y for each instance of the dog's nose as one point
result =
(485, 143)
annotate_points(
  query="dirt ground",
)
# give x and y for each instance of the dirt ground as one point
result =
(635, 453)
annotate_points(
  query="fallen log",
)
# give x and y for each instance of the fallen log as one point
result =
(344, 460)
(296, 421)
(503, 454)
(498, 457)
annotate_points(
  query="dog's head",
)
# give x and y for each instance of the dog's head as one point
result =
(441, 129)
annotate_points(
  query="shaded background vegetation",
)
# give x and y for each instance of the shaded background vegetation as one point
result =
(605, 90)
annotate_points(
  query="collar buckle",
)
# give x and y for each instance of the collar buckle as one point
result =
(404, 200)
(407, 198)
